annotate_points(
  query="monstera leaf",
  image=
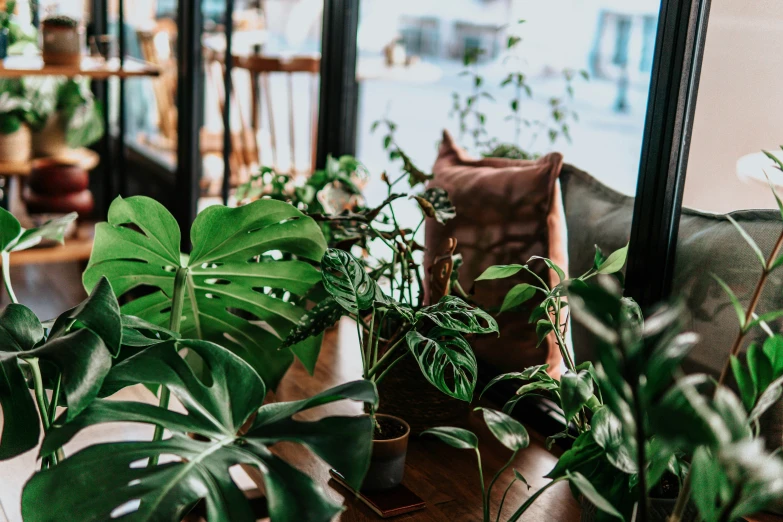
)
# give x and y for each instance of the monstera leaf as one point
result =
(455, 314)
(443, 354)
(232, 290)
(348, 281)
(80, 348)
(102, 481)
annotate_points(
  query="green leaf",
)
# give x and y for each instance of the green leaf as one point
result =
(599, 257)
(582, 455)
(551, 264)
(77, 351)
(53, 230)
(9, 229)
(773, 349)
(772, 185)
(734, 301)
(446, 360)
(518, 295)
(590, 493)
(615, 262)
(435, 203)
(507, 430)
(730, 410)
(214, 415)
(750, 241)
(765, 318)
(236, 293)
(529, 373)
(608, 433)
(455, 437)
(768, 399)
(711, 487)
(324, 315)
(453, 313)
(745, 383)
(347, 280)
(500, 272)
(760, 367)
(575, 390)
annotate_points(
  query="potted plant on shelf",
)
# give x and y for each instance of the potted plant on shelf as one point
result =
(62, 41)
(95, 350)
(67, 116)
(15, 137)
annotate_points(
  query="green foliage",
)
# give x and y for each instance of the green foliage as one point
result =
(78, 349)
(230, 283)
(455, 314)
(347, 281)
(505, 430)
(101, 479)
(446, 360)
(14, 106)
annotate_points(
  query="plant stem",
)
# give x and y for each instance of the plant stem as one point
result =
(6, 261)
(177, 302)
(503, 498)
(641, 457)
(55, 397)
(385, 358)
(529, 502)
(484, 500)
(685, 491)
(43, 407)
(494, 479)
(388, 368)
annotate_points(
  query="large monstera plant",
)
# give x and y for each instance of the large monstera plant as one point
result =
(102, 481)
(236, 286)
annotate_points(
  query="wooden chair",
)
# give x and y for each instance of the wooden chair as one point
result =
(157, 47)
(255, 112)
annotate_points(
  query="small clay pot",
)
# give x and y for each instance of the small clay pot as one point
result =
(387, 464)
(50, 140)
(62, 44)
(15, 147)
(80, 202)
(48, 177)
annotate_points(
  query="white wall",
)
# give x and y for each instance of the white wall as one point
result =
(740, 108)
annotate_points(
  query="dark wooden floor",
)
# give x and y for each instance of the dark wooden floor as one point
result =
(446, 478)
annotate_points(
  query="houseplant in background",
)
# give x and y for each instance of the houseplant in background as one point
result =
(66, 115)
(15, 110)
(94, 351)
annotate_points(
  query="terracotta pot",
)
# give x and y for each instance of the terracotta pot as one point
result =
(52, 178)
(15, 147)
(80, 202)
(387, 464)
(62, 45)
(50, 140)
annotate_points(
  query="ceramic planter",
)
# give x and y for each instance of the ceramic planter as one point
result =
(660, 510)
(15, 147)
(62, 45)
(57, 188)
(50, 140)
(387, 464)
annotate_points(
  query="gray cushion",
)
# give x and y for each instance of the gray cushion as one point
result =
(708, 244)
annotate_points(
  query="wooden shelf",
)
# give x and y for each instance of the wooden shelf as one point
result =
(84, 158)
(98, 68)
(77, 248)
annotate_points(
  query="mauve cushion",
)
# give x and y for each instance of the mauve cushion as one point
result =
(507, 211)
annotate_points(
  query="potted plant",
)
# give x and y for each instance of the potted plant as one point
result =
(94, 350)
(15, 137)
(67, 116)
(394, 326)
(712, 463)
(5, 27)
(63, 41)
